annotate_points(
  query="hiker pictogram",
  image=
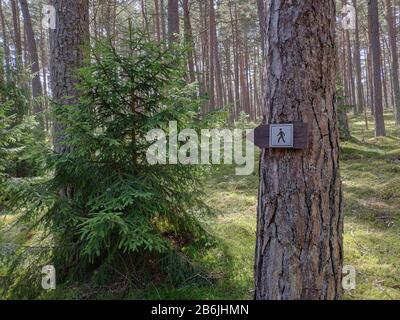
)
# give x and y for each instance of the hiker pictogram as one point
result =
(281, 136)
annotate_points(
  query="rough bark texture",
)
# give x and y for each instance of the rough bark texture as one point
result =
(395, 61)
(173, 20)
(34, 57)
(376, 67)
(17, 33)
(349, 61)
(300, 220)
(357, 61)
(6, 47)
(189, 40)
(261, 18)
(67, 44)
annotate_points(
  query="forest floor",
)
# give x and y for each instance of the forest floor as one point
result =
(370, 170)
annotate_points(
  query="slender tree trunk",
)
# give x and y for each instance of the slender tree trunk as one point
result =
(157, 20)
(17, 33)
(371, 82)
(376, 66)
(163, 24)
(215, 67)
(44, 62)
(34, 57)
(229, 75)
(345, 73)
(384, 79)
(394, 59)
(173, 20)
(350, 68)
(235, 40)
(6, 47)
(300, 220)
(144, 15)
(189, 39)
(261, 17)
(357, 61)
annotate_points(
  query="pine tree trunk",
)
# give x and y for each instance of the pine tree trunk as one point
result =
(173, 20)
(17, 33)
(376, 66)
(300, 219)
(163, 24)
(67, 43)
(157, 20)
(357, 61)
(36, 84)
(350, 69)
(189, 39)
(395, 60)
(261, 17)
(6, 47)
(215, 67)
(234, 29)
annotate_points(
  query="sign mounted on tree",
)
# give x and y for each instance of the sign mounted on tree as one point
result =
(282, 136)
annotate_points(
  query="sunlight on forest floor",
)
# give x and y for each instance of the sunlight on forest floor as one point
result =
(370, 169)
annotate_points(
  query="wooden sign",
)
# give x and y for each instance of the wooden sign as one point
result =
(282, 136)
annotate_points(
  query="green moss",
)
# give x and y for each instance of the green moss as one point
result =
(391, 190)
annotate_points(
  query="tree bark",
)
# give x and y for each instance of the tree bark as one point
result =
(157, 20)
(34, 57)
(357, 61)
(376, 66)
(173, 20)
(163, 24)
(261, 17)
(189, 40)
(6, 47)
(395, 59)
(17, 33)
(300, 218)
(67, 52)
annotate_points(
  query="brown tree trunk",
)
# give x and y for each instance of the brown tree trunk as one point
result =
(189, 39)
(235, 40)
(6, 47)
(349, 60)
(229, 75)
(67, 47)
(173, 20)
(44, 61)
(215, 67)
(34, 57)
(394, 59)
(163, 24)
(384, 79)
(376, 66)
(261, 17)
(300, 218)
(157, 20)
(370, 81)
(357, 60)
(17, 33)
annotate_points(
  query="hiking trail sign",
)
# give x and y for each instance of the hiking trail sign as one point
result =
(282, 136)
